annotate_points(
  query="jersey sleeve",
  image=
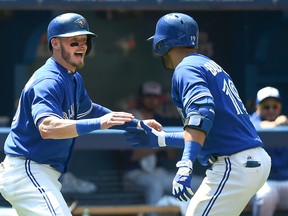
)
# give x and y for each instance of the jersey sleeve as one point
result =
(189, 84)
(45, 99)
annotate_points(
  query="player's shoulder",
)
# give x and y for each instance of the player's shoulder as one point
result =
(208, 66)
(43, 77)
(194, 60)
(45, 74)
(197, 57)
(51, 70)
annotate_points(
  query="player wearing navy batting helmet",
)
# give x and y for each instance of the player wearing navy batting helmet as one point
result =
(54, 108)
(217, 128)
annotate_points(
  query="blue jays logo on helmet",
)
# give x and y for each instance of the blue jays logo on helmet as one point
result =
(81, 22)
(69, 25)
(174, 29)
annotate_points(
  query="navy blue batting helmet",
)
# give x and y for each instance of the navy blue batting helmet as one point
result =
(69, 25)
(174, 29)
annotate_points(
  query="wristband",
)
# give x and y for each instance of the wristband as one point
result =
(185, 163)
(85, 126)
(191, 150)
(162, 139)
(174, 140)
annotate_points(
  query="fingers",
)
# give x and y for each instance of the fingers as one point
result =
(153, 123)
(121, 114)
(182, 193)
(115, 118)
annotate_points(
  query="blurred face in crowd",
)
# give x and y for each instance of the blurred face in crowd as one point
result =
(269, 109)
(151, 102)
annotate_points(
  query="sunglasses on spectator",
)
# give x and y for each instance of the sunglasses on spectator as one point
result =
(270, 106)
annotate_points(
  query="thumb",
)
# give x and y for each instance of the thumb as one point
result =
(145, 127)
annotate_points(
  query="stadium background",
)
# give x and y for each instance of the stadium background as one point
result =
(248, 38)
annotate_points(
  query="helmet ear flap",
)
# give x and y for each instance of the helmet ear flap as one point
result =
(161, 47)
(89, 44)
(158, 46)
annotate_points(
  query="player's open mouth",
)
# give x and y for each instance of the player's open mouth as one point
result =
(79, 55)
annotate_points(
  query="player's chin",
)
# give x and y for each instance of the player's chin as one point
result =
(79, 64)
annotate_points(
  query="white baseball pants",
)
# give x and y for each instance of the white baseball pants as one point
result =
(230, 184)
(32, 189)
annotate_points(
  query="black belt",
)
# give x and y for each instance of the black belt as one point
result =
(212, 159)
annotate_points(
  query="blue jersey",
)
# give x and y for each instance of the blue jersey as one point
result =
(196, 77)
(51, 91)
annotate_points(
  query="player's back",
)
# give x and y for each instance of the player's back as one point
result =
(232, 129)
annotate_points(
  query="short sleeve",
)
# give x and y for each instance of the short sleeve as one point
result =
(45, 99)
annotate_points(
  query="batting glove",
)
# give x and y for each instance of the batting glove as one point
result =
(149, 137)
(145, 136)
(182, 181)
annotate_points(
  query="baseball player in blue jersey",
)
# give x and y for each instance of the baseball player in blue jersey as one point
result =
(54, 108)
(217, 128)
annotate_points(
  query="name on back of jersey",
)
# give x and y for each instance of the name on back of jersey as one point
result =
(213, 67)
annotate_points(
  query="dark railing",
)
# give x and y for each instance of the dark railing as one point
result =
(114, 139)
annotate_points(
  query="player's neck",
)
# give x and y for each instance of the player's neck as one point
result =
(177, 54)
(64, 63)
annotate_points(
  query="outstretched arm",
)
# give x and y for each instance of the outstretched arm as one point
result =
(149, 137)
(56, 128)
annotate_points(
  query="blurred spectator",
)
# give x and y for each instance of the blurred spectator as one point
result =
(4, 121)
(206, 46)
(268, 109)
(146, 169)
(274, 193)
(73, 184)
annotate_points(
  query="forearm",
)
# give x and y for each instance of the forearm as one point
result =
(267, 124)
(194, 135)
(194, 140)
(280, 120)
(178, 139)
(55, 128)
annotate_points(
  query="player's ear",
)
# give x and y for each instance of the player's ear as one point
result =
(55, 43)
